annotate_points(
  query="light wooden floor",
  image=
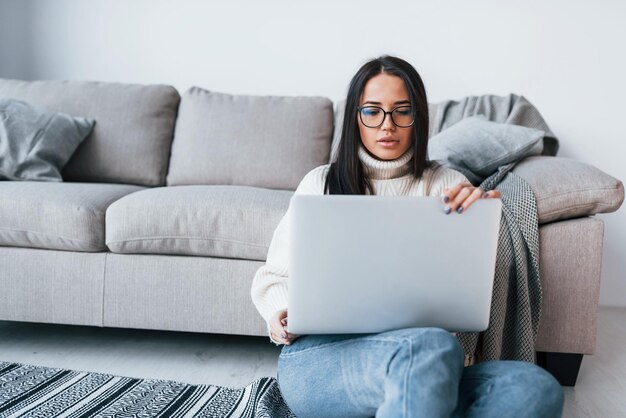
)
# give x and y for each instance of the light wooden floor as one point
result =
(235, 361)
(601, 387)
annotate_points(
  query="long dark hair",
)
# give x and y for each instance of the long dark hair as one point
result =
(346, 174)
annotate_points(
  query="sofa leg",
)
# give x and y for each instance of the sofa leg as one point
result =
(563, 366)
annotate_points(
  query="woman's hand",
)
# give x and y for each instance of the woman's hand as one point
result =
(278, 328)
(461, 196)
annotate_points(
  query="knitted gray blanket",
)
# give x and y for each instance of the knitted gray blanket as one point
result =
(516, 301)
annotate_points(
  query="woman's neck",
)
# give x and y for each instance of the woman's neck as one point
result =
(376, 169)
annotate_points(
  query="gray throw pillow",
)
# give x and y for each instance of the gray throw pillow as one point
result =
(35, 144)
(476, 147)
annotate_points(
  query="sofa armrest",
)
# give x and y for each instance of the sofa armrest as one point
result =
(566, 188)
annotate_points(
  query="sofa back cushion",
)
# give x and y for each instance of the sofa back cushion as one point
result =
(131, 140)
(261, 141)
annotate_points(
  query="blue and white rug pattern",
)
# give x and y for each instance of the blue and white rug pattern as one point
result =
(35, 391)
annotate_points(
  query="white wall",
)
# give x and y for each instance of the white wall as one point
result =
(567, 57)
(15, 40)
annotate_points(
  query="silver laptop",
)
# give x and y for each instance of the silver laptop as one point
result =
(363, 264)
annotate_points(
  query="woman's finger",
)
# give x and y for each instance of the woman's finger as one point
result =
(291, 338)
(278, 326)
(449, 194)
(276, 338)
(283, 333)
(474, 196)
(492, 194)
(278, 331)
(280, 337)
(280, 334)
(460, 197)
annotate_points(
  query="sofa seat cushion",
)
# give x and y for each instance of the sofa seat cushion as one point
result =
(217, 221)
(566, 188)
(59, 216)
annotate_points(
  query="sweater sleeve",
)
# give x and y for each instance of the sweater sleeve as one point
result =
(269, 285)
(445, 178)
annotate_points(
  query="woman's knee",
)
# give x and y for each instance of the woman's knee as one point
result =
(547, 390)
(529, 388)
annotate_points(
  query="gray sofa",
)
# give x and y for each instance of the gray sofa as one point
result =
(167, 210)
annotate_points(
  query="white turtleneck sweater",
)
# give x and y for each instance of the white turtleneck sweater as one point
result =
(388, 178)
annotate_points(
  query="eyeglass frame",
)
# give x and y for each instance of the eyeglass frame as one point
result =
(390, 113)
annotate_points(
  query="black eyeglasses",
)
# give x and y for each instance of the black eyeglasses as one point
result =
(374, 116)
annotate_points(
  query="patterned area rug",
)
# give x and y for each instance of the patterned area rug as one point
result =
(33, 391)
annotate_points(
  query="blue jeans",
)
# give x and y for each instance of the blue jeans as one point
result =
(414, 372)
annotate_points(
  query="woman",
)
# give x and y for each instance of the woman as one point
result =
(416, 372)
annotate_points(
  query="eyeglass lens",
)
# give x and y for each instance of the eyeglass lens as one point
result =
(373, 116)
